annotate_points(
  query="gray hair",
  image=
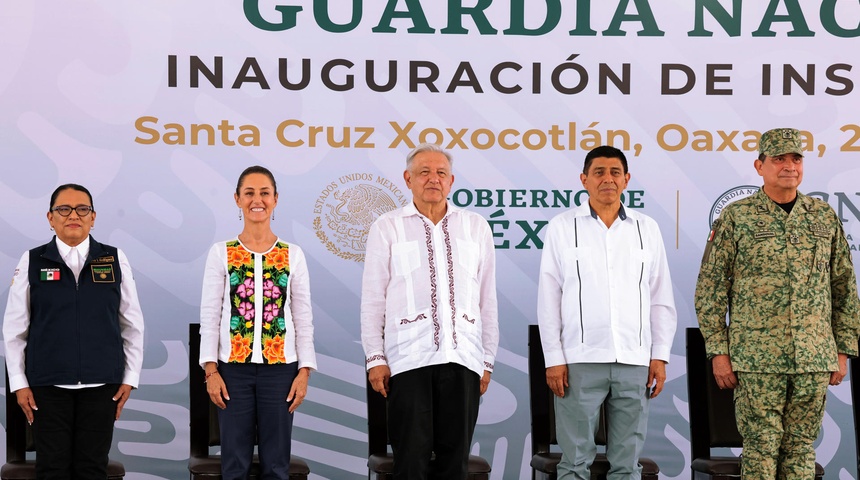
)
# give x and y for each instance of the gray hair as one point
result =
(428, 147)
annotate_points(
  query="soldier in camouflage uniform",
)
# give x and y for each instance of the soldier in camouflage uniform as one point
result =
(778, 263)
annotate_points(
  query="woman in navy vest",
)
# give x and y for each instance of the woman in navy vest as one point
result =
(73, 331)
(256, 334)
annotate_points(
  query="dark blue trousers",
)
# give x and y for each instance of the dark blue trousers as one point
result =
(257, 412)
(73, 431)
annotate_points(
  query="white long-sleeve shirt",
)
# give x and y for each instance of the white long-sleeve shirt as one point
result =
(605, 294)
(16, 321)
(429, 292)
(288, 302)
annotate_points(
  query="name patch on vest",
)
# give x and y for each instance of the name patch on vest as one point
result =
(102, 273)
(49, 274)
(108, 259)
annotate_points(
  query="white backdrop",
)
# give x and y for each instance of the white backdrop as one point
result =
(117, 96)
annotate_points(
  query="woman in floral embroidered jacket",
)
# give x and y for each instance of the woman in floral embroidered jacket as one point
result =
(256, 334)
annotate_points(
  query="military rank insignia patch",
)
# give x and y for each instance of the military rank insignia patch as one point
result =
(819, 230)
(102, 273)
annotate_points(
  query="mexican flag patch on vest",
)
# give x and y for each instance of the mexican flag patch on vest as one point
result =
(49, 274)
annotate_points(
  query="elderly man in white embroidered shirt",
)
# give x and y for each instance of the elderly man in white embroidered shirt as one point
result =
(607, 320)
(429, 320)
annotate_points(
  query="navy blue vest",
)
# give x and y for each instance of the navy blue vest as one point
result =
(74, 334)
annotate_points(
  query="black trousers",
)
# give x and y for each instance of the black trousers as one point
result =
(73, 431)
(432, 410)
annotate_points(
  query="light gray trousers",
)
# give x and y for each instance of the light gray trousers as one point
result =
(577, 413)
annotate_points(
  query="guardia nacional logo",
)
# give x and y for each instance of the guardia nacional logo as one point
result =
(346, 208)
(728, 197)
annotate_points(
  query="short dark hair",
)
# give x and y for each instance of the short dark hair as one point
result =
(605, 151)
(70, 186)
(256, 169)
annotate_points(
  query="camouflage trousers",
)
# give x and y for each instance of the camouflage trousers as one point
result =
(779, 417)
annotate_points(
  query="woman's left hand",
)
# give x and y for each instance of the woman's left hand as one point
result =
(121, 397)
(299, 389)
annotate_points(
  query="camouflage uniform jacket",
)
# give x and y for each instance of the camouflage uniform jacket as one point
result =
(787, 284)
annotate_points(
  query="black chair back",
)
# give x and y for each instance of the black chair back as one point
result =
(854, 371)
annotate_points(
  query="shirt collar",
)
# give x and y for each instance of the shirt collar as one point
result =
(766, 203)
(83, 248)
(410, 209)
(621, 213)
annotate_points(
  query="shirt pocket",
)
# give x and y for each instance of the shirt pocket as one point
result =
(469, 328)
(467, 256)
(820, 268)
(405, 257)
(576, 263)
(414, 333)
(640, 269)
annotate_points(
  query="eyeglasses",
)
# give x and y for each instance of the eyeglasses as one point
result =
(66, 210)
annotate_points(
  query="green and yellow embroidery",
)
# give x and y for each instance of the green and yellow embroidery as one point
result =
(244, 317)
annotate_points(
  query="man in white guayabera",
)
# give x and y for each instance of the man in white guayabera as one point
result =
(429, 320)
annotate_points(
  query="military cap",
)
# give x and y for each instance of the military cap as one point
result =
(780, 141)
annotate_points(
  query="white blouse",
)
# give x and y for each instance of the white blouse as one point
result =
(256, 307)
